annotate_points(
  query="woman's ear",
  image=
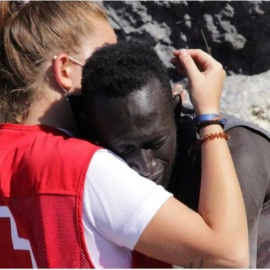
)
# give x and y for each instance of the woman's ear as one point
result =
(62, 71)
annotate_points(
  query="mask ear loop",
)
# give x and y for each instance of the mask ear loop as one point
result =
(75, 61)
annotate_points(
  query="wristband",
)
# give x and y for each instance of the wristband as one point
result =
(206, 117)
(209, 119)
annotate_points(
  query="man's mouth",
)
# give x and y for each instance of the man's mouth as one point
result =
(157, 177)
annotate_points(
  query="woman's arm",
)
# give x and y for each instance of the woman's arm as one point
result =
(217, 235)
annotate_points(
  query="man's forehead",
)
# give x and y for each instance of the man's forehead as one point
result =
(142, 105)
(148, 98)
(137, 114)
(140, 131)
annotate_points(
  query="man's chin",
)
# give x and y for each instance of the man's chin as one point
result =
(161, 180)
(166, 178)
(165, 183)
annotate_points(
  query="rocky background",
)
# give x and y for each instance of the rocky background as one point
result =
(238, 35)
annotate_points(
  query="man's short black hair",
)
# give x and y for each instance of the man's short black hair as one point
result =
(119, 69)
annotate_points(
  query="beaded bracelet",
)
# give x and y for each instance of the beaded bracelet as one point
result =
(213, 136)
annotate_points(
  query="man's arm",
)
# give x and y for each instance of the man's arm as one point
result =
(250, 153)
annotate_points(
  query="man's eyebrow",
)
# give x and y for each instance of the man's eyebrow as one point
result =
(157, 138)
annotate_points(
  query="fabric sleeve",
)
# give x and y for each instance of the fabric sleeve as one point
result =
(118, 202)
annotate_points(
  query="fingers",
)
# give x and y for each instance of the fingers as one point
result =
(202, 60)
(185, 63)
(193, 62)
(188, 63)
(176, 62)
(205, 76)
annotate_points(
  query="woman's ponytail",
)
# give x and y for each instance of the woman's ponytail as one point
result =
(7, 8)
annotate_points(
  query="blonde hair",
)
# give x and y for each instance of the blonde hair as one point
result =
(31, 33)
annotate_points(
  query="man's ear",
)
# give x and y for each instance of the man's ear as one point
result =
(177, 104)
(177, 99)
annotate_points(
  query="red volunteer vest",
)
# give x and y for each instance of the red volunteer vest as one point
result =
(42, 174)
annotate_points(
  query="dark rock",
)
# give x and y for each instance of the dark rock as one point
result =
(238, 32)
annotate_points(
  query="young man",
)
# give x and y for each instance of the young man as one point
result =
(129, 108)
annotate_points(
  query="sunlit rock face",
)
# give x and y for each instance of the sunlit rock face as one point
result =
(248, 97)
(237, 32)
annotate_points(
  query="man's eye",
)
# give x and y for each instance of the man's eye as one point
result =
(126, 151)
(155, 146)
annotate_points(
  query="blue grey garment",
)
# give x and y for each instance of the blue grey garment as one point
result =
(254, 181)
(232, 122)
(263, 244)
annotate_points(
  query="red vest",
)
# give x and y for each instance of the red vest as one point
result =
(42, 174)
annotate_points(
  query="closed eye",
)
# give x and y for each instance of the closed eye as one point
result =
(125, 151)
(157, 145)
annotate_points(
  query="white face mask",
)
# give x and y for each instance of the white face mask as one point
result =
(76, 62)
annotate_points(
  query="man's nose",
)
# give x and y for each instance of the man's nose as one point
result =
(143, 162)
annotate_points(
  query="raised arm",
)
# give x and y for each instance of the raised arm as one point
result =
(217, 235)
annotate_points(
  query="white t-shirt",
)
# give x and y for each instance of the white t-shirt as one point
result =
(117, 206)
